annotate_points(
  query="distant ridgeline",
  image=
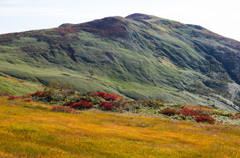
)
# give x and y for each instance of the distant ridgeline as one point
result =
(139, 56)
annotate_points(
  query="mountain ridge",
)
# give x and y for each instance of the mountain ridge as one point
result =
(139, 56)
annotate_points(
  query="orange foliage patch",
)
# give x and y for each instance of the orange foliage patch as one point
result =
(202, 108)
(11, 79)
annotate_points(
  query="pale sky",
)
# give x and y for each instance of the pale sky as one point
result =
(219, 16)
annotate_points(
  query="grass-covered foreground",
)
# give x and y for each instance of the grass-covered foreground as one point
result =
(32, 129)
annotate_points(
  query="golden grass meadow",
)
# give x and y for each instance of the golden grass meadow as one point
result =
(32, 129)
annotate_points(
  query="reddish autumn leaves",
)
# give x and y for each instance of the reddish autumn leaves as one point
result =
(84, 104)
(189, 112)
(106, 96)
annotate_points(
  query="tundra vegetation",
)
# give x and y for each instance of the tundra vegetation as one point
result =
(62, 123)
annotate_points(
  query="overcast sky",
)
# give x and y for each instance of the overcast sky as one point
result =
(219, 16)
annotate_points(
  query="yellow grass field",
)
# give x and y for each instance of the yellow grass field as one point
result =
(33, 130)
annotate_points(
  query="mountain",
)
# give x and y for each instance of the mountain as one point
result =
(139, 56)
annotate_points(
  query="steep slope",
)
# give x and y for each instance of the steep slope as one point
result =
(140, 56)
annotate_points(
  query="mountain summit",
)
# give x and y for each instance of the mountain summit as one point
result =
(139, 56)
(139, 16)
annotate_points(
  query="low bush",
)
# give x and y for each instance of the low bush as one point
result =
(112, 102)
(188, 112)
(4, 94)
(106, 96)
(205, 118)
(15, 97)
(107, 105)
(110, 105)
(38, 93)
(169, 112)
(80, 105)
(235, 117)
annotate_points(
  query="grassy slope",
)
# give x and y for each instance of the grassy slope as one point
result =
(110, 82)
(32, 130)
(16, 87)
(156, 59)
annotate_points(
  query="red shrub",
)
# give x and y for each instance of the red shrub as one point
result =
(188, 112)
(79, 105)
(4, 94)
(14, 97)
(85, 104)
(106, 105)
(101, 94)
(111, 97)
(107, 96)
(94, 93)
(205, 118)
(110, 105)
(200, 119)
(38, 93)
(235, 117)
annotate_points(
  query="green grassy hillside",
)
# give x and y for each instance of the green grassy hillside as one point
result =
(139, 57)
(17, 87)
